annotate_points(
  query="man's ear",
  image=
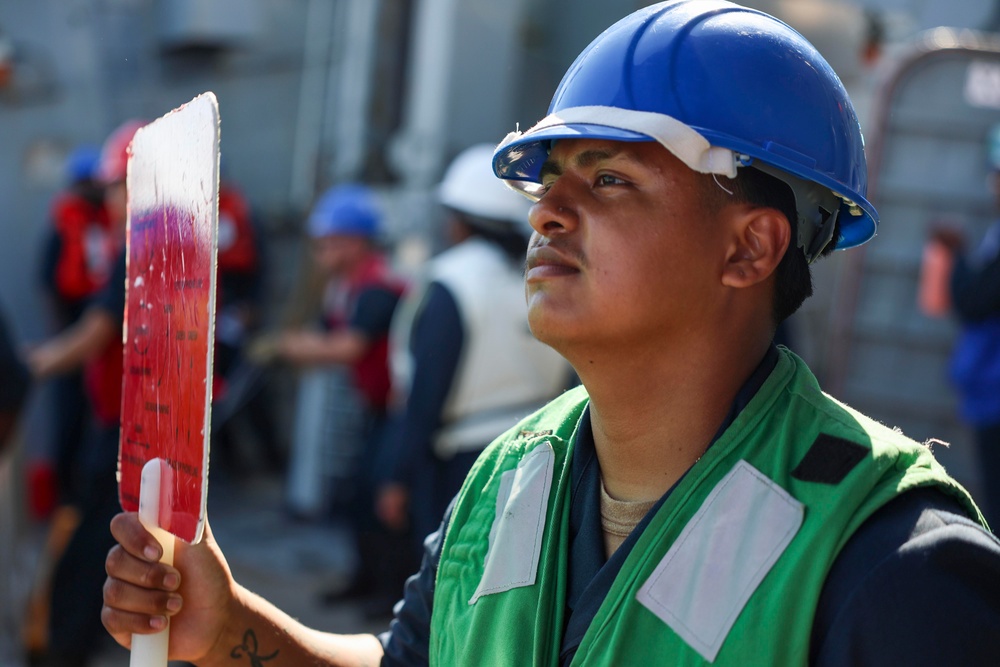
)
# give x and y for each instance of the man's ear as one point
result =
(760, 237)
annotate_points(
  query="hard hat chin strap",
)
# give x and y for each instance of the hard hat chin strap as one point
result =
(817, 208)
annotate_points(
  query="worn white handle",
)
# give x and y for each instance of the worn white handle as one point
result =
(151, 650)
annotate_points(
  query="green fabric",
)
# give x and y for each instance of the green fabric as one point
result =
(523, 626)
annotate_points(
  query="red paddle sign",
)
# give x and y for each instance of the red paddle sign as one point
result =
(173, 189)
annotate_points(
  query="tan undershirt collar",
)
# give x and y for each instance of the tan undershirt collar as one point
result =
(619, 518)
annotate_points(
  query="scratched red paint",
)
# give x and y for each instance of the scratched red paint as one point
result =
(166, 371)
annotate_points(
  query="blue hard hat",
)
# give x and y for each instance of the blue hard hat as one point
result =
(348, 209)
(81, 163)
(722, 87)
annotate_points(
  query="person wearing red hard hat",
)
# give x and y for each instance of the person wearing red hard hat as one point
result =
(100, 325)
(698, 500)
(93, 343)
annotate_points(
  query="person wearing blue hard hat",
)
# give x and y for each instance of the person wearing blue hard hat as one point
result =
(343, 229)
(360, 296)
(78, 256)
(698, 500)
(345, 210)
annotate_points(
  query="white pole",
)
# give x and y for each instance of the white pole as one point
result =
(151, 650)
(349, 90)
(312, 94)
(418, 151)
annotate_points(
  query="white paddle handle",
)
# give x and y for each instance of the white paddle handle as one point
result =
(151, 650)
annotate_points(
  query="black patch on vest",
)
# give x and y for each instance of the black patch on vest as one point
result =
(829, 460)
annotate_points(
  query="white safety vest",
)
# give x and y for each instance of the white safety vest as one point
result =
(504, 373)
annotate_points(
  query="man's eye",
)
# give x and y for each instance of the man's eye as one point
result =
(608, 179)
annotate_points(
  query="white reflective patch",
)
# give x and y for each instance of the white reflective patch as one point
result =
(724, 552)
(516, 535)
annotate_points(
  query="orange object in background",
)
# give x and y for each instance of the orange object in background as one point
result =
(933, 291)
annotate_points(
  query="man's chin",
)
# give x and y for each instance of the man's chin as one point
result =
(550, 329)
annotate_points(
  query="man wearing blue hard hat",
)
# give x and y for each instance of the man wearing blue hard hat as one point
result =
(360, 296)
(698, 500)
(343, 229)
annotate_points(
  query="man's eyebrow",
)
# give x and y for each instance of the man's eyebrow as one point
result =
(581, 160)
(549, 168)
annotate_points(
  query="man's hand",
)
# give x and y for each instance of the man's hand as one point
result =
(140, 594)
(300, 347)
(212, 618)
(44, 361)
(303, 347)
(263, 349)
(75, 346)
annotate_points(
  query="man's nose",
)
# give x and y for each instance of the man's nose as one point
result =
(555, 212)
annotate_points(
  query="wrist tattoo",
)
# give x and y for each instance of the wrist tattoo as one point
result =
(249, 649)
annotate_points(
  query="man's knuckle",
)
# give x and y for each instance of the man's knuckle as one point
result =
(112, 591)
(146, 577)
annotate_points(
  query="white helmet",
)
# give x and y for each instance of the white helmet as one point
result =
(469, 186)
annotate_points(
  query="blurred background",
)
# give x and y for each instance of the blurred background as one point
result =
(317, 92)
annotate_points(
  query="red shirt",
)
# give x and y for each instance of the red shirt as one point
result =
(371, 371)
(86, 246)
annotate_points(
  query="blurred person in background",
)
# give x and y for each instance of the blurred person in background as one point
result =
(79, 253)
(975, 299)
(93, 342)
(360, 297)
(465, 365)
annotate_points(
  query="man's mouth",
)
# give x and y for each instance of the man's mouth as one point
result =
(546, 261)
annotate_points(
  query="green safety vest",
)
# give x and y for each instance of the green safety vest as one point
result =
(729, 570)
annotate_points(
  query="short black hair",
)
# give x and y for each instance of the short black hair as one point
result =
(793, 279)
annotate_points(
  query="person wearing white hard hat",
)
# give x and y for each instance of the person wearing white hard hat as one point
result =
(465, 364)
(698, 500)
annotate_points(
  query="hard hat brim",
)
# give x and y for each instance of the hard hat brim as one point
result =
(522, 159)
(519, 158)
